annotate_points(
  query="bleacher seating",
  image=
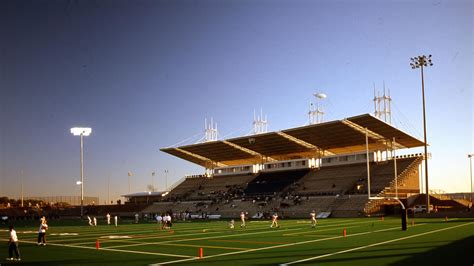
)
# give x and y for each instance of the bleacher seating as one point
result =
(274, 182)
(331, 180)
(189, 185)
(221, 187)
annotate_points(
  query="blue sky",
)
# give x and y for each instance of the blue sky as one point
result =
(145, 74)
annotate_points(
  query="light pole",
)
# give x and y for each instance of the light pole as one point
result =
(129, 175)
(78, 182)
(153, 181)
(420, 62)
(166, 179)
(82, 131)
(470, 168)
(21, 178)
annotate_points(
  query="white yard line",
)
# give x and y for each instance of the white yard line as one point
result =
(204, 238)
(278, 246)
(115, 250)
(232, 235)
(375, 244)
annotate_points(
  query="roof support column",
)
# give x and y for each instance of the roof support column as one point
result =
(368, 165)
(395, 169)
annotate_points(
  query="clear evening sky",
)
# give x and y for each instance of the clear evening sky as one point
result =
(144, 75)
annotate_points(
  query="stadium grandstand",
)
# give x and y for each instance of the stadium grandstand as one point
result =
(324, 167)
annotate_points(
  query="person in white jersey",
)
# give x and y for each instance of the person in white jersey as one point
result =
(42, 233)
(242, 218)
(313, 219)
(274, 220)
(13, 245)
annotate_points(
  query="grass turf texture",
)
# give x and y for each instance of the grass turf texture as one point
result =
(369, 241)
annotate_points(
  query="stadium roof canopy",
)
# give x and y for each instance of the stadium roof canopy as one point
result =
(328, 138)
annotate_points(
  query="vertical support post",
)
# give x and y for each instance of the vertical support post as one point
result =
(153, 181)
(108, 189)
(21, 177)
(368, 166)
(82, 175)
(426, 144)
(166, 179)
(470, 170)
(395, 168)
(404, 219)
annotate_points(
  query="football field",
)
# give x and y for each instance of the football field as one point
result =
(368, 241)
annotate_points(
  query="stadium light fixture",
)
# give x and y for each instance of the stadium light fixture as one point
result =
(81, 131)
(421, 62)
(470, 168)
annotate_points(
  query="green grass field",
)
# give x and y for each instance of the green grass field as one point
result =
(369, 241)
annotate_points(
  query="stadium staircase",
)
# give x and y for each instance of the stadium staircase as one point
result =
(405, 167)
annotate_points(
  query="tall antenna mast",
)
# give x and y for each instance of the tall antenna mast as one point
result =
(210, 130)
(260, 124)
(382, 105)
(316, 112)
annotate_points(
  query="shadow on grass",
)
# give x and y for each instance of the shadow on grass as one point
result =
(456, 253)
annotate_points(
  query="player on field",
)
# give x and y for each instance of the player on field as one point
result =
(94, 221)
(274, 221)
(42, 232)
(313, 219)
(116, 220)
(108, 218)
(242, 218)
(159, 220)
(13, 245)
(90, 220)
(231, 224)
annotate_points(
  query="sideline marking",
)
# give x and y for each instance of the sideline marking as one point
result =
(201, 246)
(375, 244)
(315, 231)
(247, 242)
(115, 237)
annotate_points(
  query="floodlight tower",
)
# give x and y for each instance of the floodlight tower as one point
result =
(82, 131)
(210, 131)
(316, 113)
(382, 106)
(260, 124)
(420, 62)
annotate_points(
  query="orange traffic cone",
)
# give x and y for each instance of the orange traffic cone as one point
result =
(344, 232)
(200, 253)
(97, 244)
